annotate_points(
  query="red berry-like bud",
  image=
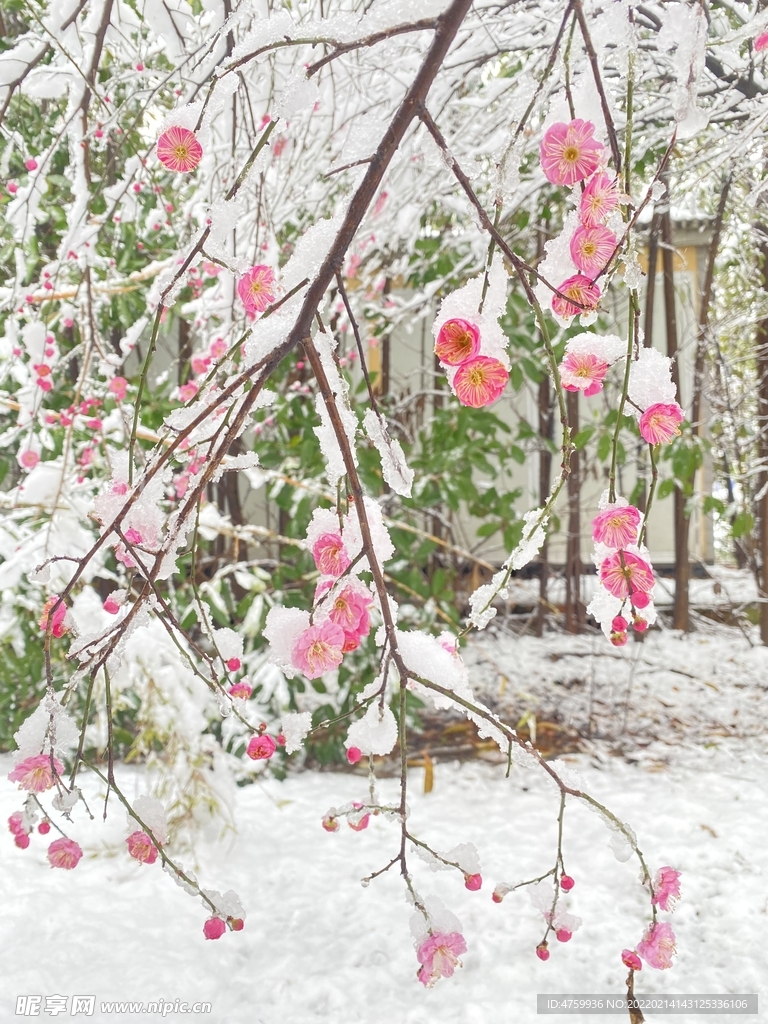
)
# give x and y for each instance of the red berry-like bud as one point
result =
(618, 639)
(542, 952)
(280, 739)
(236, 923)
(473, 882)
(639, 624)
(354, 754)
(44, 828)
(233, 665)
(619, 624)
(563, 935)
(214, 928)
(567, 883)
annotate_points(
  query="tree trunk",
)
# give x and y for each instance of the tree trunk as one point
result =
(574, 606)
(680, 614)
(545, 483)
(761, 356)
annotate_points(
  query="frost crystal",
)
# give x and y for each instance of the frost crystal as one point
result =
(375, 732)
(650, 379)
(295, 728)
(393, 465)
(152, 813)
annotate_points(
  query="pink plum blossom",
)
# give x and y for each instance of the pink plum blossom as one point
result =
(261, 748)
(439, 955)
(583, 371)
(256, 288)
(457, 341)
(141, 847)
(658, 945)
(34, 773)
(580, 289)
(592, 248)
(666, 886)
(569, 153)
(660, 422)
(319, 649)
(616, 526)
(358, 822)
(241, 689)
(350, 611)
(600, 197)
(118, 386)
(761, 43)
(214, 928)
(179, 150)
(64, 853)
(623, 573)
(29, 459)
(480, 381)
(330, 555)
(631, 960)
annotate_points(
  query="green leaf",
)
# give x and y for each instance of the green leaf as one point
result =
(665, 488)
(742, 524)
(583, 437)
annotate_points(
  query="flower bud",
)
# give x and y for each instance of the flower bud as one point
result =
(567, 883)
(214, 928)
(473, 882)
(542, 952)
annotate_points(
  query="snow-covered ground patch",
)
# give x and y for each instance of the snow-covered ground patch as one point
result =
(319, 946)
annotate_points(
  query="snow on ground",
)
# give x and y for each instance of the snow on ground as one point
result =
(319, 947)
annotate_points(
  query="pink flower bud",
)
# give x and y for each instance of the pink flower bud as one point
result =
(567, 883)
(473, 882)
(330, 824)
(640, 599)
(139, 66)
(280, 739)
(496, 896)
(261, 748)
(12, 187)
(618, 639)
(44, 828)
(233, 664)
(141, 847)
(111, 606)
(353, 755)
(631, 960)
(214, 928)
(563, 935)
(236, 923)
(22, 840)
(542, 952)
(639, 624)
(31, 164)
(619, 624)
